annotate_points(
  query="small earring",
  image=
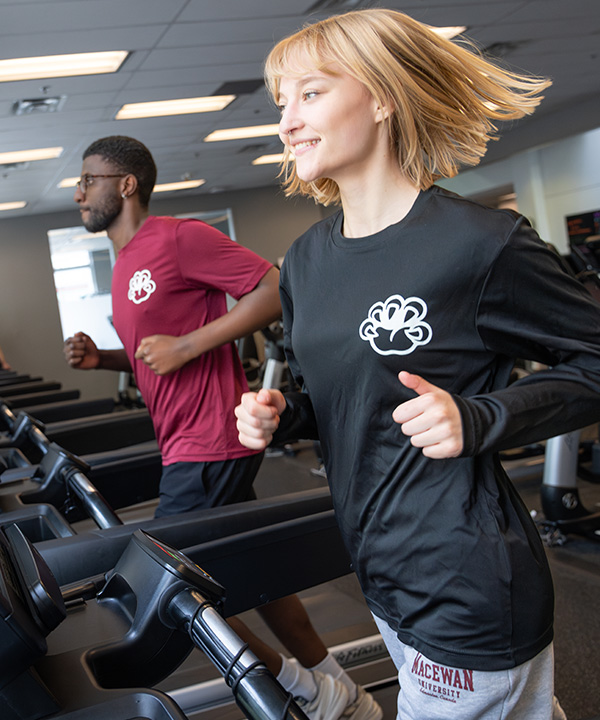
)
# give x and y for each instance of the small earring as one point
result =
(124, 196)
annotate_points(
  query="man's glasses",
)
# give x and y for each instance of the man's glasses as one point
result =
(86, 180)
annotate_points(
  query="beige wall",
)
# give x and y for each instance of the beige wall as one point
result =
(30, 331)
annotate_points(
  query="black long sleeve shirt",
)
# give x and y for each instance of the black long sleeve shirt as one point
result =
(445, 550)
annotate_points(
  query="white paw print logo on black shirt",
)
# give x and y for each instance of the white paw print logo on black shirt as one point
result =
(141, 286)
(396, 326)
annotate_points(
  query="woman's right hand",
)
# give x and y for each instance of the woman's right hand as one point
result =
(258, 417)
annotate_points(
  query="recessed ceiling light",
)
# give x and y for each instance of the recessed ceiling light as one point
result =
(19, 156)
(242, 133)
(183, 106)
(12, 205)
(183, 185)
(268, 159)
(49, 66)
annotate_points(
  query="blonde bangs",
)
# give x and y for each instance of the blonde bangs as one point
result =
(308, 49)
(445, 99)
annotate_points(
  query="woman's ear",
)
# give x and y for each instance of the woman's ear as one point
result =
(382, 112)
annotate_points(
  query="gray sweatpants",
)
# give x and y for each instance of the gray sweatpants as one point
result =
(438, 692)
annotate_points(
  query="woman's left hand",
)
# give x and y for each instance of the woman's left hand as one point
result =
(431, 420)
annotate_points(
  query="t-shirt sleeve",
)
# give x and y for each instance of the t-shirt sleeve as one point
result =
(530, 308)
(208, 258)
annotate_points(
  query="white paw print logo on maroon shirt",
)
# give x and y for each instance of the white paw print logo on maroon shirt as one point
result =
(141, 286)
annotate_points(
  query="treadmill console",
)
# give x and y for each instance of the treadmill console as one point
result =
(32, 684)
(179, 565)
(31, 604)
(147, 576)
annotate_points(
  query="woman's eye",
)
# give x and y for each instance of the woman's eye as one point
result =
(308, 94)
(281, 108)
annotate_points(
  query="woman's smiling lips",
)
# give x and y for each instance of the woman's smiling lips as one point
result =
(298, 147)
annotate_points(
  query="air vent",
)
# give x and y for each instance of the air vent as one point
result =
(38, 106)
(254, 148)
(9, 167)
(503, 49)
(240, 87)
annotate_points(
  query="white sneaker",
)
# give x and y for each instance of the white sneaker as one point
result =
(363, 708)
(330, 701)
(319, 471)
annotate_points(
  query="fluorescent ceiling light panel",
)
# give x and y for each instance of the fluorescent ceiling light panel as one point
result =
(12, 205)
(22, 156)
(184, 106)
(86, 236)
(50, 66)
(242, 133)
(69, 182)
(163, 187)
(268, 159)
(449, 32)
(183, 185)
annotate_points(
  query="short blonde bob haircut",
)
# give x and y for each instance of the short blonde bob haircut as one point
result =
(444, 99)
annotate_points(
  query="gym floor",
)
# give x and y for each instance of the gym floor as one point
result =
(575, 568)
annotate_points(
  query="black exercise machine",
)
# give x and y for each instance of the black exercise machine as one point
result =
(54, 407)
(153, 607)
(125, 476)
(10, 377)
(74, 557)
(24, 402)
(81, 436)
(566, 458)
(129, 634)
(564, 512)
(33, 386)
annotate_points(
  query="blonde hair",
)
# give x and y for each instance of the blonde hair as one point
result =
(444, 100)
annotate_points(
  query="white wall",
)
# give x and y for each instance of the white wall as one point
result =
(551, 182)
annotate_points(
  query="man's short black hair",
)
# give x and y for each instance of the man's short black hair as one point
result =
(128, 156)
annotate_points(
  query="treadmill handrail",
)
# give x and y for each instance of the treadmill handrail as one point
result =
(8, 417)
(255, 689)
(38, 438)
(93, 502)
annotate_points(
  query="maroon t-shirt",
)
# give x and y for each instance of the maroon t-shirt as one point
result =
(171, 278)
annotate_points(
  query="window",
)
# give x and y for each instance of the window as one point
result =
(82, 265)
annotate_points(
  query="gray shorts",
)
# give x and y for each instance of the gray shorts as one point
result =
(437, 692)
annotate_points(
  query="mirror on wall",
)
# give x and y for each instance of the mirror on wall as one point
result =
(82, 264)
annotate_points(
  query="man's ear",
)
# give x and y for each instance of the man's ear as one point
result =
(129, 185)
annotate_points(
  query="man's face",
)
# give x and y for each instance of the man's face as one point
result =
(100, 201)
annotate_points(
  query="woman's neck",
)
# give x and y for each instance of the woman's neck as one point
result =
(372, 204)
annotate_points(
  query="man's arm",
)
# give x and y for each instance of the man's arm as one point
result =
(255, 310)
(82, 353)
(3, 364)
